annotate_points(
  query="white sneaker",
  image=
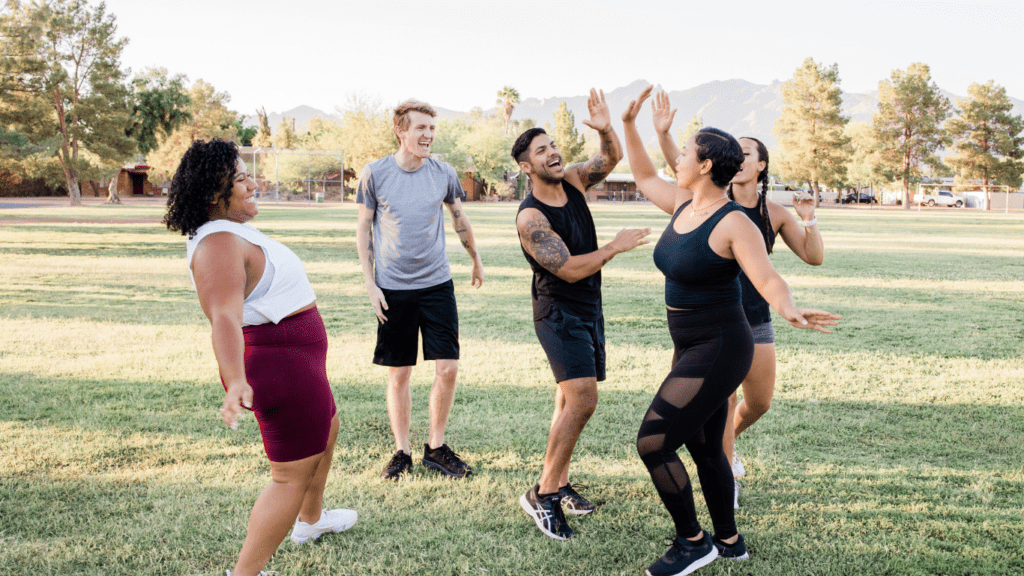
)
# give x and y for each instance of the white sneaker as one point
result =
(738, 471)
(262, 573)
(330, 521)
(736, 496)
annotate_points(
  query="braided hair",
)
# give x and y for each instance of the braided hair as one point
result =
(762, 198)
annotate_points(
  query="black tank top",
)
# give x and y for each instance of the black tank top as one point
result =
(755, 307)
(696, 277)
(575, 226)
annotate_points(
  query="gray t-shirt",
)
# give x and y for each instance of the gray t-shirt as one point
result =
(408, 222)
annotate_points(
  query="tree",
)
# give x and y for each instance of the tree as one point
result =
(564, 133)
(286, 136)
(862, 166)
(508, 97)
(69, 55)
(366, 133)
(265, 137)
(987, 138)
(810, 127)
(209, 117)
(695, 124)
(159, 105)
(908, 125)
(487, 145)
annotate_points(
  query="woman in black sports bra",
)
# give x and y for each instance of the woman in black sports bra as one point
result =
(701, 253)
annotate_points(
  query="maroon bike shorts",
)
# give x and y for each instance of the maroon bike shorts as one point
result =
(286, 365)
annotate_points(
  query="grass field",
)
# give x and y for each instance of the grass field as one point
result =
(894, 446)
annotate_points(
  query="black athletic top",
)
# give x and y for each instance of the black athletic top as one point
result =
(754, 305)
(575, 227)
(696, 277)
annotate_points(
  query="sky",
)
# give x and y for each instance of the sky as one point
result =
(458, 54)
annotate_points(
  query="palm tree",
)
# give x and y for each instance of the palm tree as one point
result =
(508, 97)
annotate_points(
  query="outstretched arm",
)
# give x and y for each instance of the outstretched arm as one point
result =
(465, 232)
(663, 115)
(660, 193)
(550, 251)
(804, 241)
(586, 174)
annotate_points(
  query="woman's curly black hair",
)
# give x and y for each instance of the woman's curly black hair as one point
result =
(204, 176)
(723, 150)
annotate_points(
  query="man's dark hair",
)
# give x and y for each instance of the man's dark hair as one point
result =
(521, 149)
(723, 150)
(204, 176)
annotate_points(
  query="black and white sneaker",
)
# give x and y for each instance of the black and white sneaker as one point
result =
(444, 460)
(400, 464)
(735, 551)
(684, 557)
(573, 503)
(546, 513)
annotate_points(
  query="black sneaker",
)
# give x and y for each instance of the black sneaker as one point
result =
(400, 464)
(573, 503)
(547, 513)
(735, 551)
(684, 557)
(446, 461)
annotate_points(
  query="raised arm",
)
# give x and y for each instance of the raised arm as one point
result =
(465, 232)
(586, 174)
(747, 246)
(660, 193)
(804, 240)
(550, 251)
(663, 115)
(218, 267)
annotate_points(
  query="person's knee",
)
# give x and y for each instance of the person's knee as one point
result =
(581, 398)
(446, 371)
(758, 406)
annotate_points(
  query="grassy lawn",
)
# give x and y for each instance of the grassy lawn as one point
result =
(894, 446)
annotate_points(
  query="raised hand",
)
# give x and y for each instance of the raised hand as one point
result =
(600, 117)
(803, 203)
(662, 113)
(633, 109)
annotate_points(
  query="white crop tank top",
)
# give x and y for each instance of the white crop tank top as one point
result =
(283, 288)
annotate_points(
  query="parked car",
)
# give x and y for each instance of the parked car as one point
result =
(940, 198)
(860, 198)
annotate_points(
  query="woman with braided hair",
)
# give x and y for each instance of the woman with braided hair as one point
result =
(771, 219)
(701, 252)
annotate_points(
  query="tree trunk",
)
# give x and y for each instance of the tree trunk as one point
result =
(112, 196)
(988, 195)
(815, 192)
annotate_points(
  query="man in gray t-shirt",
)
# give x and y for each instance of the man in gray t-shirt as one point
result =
(401, 245)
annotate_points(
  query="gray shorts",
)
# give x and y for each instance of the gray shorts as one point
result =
(763, 333)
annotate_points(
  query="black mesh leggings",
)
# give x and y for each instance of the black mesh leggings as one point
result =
(713, 353)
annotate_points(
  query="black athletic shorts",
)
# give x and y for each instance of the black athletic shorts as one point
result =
(430, 310)
(575, 347)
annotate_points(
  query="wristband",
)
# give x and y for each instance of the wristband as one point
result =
(808, 223)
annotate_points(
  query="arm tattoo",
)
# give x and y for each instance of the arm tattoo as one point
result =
(548, 249)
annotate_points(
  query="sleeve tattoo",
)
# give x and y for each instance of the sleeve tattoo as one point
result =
(548, 249)
(597, 168)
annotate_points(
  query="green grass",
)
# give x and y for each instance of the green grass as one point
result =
(893, 446)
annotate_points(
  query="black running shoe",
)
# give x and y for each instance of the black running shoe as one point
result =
(445, 461)
(573, 503)
(735, 551)
(547, 513)
(400, 464)
(684, 557)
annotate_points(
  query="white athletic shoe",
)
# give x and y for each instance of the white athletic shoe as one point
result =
(330, 521)
(736, 496)
(738, 471)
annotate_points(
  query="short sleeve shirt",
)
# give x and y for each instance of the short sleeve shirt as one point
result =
(408, 221)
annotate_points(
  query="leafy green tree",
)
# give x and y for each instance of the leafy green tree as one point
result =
(245, 135)
(209, 117)
(810, 127)
(366, 133)
(286, 136)
(691, 128)
(987, 138)
(265, 136)
(908, 125)
(67, 53)
(508, 97)
(487, 145)
(160, 104)
(862, 166)
(569, 141)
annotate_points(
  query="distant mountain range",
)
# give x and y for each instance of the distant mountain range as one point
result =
(739, 107)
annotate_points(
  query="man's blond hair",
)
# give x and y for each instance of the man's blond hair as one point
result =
(401, 117)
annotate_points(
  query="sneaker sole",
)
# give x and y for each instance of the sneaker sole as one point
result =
(577, 512)
(746, 556)
(697, 564)
(525, 505)
(441, 469)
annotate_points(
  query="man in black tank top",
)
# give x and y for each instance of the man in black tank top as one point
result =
(559, 240)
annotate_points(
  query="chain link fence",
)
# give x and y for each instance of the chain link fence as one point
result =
(299, 174)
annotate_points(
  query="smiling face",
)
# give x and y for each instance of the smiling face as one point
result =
(544, 160)
(752, 163)
(240, 206)
(419, 136)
